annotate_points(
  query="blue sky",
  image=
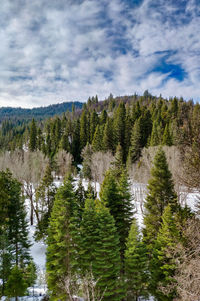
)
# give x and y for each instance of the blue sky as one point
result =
(66, 50)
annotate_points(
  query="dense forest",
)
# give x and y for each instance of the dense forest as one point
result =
(96, 248)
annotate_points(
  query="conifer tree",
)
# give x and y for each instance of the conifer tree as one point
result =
(156, 133)
(108, 139)
(117, 198)
(135, 147)
(59, 262)
(167, 139)
(160, 193)
(163, 264)
(117, 164)
(14, 242)
(100, 249)
(33, 136)
(83, 129)
(97, 140)
(16, 285)
(45, 195)
(119, 126)
(136, 266)
(93, 124)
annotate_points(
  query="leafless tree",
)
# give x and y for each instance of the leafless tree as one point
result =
(28, 167)
(187, 258)
(64, 162)
(85, 286)
(100, 163)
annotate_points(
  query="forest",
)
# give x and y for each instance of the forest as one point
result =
(97, 249)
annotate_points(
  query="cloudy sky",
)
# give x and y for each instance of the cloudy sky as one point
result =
(60, 50)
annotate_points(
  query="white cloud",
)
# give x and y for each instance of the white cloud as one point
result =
(69, 50)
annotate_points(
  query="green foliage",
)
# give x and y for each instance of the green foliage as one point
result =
(136, 266)
(59, 241)
(160, 194)
(33, 137)
(45, 196)
(135, 147)
(14, 243)
(100, 249)
(163, 264)
(16, 285)
(117, 198)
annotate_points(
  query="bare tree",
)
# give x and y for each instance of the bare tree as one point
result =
(187, 258)
(28, 167)
(86, 286)
(64, 162)
(100, 163)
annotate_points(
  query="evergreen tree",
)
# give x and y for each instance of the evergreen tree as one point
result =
(33, 136)
(167, 139)
(135, 147)
(156, 133)
(14, 243)
(83, 129)
(163, 264)
(108, 139)
(93, 124)
(119, 126)
(136, 266)
(87, 160)
(117, 198)
(100, 249)
(97, 140)
(45, 195)
(117, 164)
(160, 193)
(75, 145)
(16, 285)
(60, 247)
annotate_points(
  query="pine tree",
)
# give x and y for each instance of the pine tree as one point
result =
(163, 264)
(14, 243)
(135, 147)
(167, 139)
(100, 249)
(87, 160)
(97, 140)
(108, 139)
(119, 126)
(93, 124)
(59, 250)
(136, 266)
(160, 193)
(45, 195)
(156, 133)
(33, 136)
(16, 285)
(83, 129)
(117, 198)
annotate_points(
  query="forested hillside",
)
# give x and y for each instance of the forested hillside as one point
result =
(37, 113)
(96, 247)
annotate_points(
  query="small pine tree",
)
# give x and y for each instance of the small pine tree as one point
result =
(33, 136)
(163, 264)
(100, 249)
(16, 285)
(160, 193)
(136, 266)
(167, 139)
(135, 147)
(59, 241)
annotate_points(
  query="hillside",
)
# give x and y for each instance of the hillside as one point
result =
(38, 113)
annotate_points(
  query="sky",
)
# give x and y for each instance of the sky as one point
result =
(53, 51)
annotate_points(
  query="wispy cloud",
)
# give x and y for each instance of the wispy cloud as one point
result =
(54, 51)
